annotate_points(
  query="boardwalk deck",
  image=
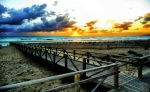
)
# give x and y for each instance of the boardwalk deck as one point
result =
(126, 82)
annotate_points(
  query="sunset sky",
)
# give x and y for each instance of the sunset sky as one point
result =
(74, 17)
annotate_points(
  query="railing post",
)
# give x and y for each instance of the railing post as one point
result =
(46, 57)
(66, 63)
(35, 49)
(40, 53)
(26, 48)
(77, 78)
(50, 50)
(139, 69)
(56, 51)
(54, 59)
(45, 47)
(46, 54)
(32, 50)
(74, 54)
(116, 77)
(84, 68)
(64, 51)
(88, 56)
(108, 58)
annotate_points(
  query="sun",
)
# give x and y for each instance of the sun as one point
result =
(75, 34)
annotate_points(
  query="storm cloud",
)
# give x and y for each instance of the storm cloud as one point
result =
(31, 19)
(2, 9)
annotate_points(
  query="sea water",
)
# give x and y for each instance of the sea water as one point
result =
(4, 41)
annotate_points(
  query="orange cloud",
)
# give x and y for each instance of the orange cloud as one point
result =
(146, 26)
(123, 26)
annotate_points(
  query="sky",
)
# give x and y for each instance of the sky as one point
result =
(74, 17)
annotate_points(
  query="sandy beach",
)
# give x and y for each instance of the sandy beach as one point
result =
(15, 68)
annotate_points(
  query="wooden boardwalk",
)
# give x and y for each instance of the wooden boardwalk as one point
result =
(73, 62)
(127, 83)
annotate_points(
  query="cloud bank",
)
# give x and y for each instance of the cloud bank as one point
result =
(32, 19)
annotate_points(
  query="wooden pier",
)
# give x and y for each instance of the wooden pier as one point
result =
(75, 61)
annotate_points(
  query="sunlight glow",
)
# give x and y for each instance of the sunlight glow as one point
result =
(75, 34)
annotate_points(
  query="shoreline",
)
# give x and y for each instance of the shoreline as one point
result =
(73, 41)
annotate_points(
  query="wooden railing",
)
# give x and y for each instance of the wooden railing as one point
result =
(57, 55)
(136, 61)
(97, 59)
(75, 84)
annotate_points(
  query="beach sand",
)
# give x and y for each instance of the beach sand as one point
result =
(15, 68)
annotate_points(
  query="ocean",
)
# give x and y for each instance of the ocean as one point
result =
(4, 41)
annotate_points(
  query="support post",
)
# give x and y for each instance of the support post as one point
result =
(56, 51)
(40, 53)
(77, 78)
(88, 56)
(64, 51)
(35, 49)
(54, 59)
(84, 68)
(116, 77)
(139, 69)
(46, 54)
(74, 54)
(108, 58)
(66, 63)
(26, 48)
(32, 50)
(46, 57)
(35, 52)
(45, 47)
(50, 50)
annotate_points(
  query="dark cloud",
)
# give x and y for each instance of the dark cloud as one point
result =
(25, 20)
(123, 26)
(147, 17)
(17, 16)
(146, 26)
(2, 9)
(54, 24)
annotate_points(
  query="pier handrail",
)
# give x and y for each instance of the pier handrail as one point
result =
(31, 82)
(137, 61)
